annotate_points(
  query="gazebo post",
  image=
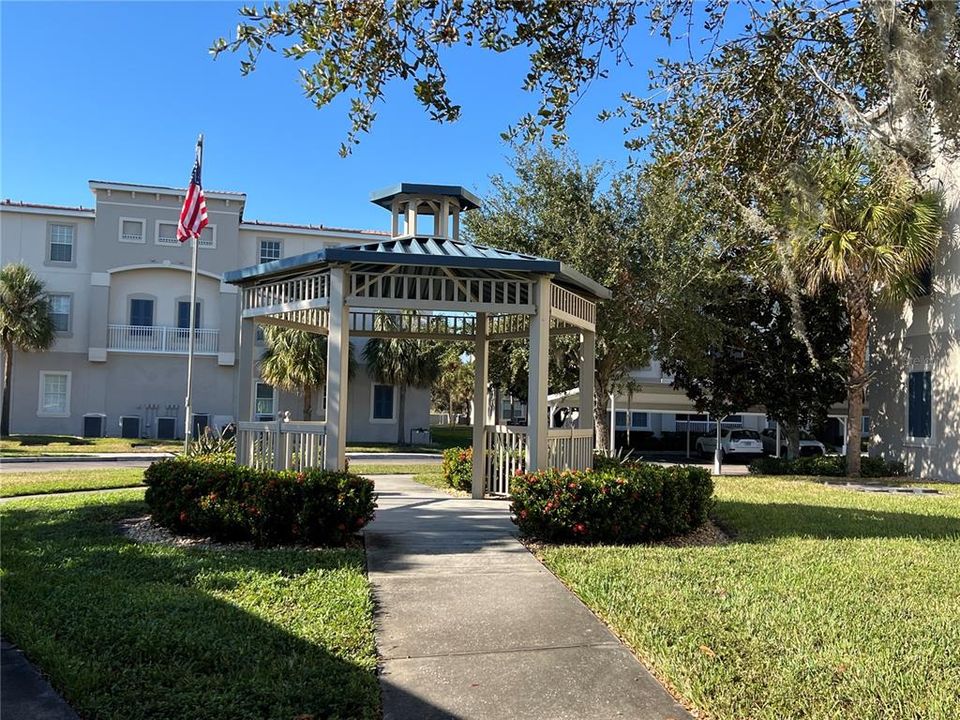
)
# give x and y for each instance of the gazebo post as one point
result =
(539, 372)
(338, 361)
(480, 372)
(246, 369)
(588, 361)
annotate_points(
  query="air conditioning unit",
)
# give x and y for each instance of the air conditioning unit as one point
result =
(94, 425)
(130, 426)
(166, 428)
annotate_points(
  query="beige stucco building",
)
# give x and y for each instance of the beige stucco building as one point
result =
(915, 393)
(119, 287)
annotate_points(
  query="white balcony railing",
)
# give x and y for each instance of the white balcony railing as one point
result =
(157, 339)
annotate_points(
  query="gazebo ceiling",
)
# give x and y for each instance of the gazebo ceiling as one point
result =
(422, 252)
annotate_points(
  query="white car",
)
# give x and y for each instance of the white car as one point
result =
(809, 445)
(732, 442)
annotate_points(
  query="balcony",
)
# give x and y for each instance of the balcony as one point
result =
(164, 340)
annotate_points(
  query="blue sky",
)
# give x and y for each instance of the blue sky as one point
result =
(119, 90)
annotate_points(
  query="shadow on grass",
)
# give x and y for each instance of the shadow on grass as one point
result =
(757, 522)
(126, 630)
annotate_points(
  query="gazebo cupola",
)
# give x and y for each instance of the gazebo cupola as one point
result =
(425, 210)
(426, 283)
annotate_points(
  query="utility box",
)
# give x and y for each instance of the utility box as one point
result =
(130, 426)
(94, 425)
(166, 428)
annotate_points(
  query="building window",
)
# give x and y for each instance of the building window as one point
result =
(167, 234)
(382, 402)
(270, 250)
(640, 421)
(60, 312)
(919, 406)
(61, 243)
(621, 418)
(264, 402)
(183, 315)
(865, 424)
(132, 230)
(141, 312)
(260, 337)
(54, 394)
(208, 237)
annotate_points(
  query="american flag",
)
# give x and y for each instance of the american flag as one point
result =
(193, 217)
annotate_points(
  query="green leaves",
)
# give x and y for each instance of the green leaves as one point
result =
(24, 312)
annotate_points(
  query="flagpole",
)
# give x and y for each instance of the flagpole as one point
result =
(188, 426)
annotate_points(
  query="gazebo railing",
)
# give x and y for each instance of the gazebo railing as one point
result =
(281, 444)
(283, 292)
(570, 448)
(571, 304)
(504, 453)
(383, 287)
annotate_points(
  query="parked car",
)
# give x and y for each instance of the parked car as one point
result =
(809, 445)
(732, 442)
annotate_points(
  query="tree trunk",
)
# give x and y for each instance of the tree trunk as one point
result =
(7, 377)
(859, 330)
(601, 419)
(308, 403)
(401, 412)
(793, 441)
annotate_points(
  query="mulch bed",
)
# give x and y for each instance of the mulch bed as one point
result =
(145, 530)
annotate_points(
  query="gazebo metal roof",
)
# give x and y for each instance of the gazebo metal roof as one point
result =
(384, 197)
(422, 251)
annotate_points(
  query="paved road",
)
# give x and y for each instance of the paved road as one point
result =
(470, 625)
(60, 465)
(395, 458)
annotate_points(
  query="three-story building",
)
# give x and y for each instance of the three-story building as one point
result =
(118, 282)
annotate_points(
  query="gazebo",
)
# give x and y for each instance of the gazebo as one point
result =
(422, 285)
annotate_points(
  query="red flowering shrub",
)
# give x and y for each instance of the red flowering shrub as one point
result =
(225, 501)
(628, 504)
(457, 468)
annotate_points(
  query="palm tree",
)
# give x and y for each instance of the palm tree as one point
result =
(25, 323)
(863, 225)
(405, 363)
(296, 360)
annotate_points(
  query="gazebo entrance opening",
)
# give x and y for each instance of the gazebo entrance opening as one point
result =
(431, 287)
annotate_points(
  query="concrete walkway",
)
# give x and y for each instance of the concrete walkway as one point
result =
(471, 625)
(26, 694)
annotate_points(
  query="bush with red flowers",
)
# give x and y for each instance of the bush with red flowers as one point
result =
(225, 501)
(627, 504)
(457, 467)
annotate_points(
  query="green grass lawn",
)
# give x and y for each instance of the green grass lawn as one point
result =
(435, 480)
(828, 604)
(448, 436)
(124, 630)
(33, 482)
(27, 445)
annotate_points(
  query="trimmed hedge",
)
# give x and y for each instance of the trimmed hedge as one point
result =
(457, 467)
(627, 504)
(226, 501)
(825, 465)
